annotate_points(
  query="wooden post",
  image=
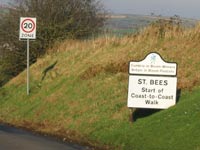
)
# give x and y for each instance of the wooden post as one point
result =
(131, 119)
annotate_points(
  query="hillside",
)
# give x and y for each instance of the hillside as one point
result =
(79, 92)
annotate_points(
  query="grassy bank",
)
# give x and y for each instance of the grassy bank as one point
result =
(79, 92)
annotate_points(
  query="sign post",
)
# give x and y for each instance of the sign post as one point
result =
(27, 32)
(152, 83)
(28, 68)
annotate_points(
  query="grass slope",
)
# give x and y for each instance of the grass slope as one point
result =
(79, 92)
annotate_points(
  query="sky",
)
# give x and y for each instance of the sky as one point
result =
(3, 1)
(183, 8)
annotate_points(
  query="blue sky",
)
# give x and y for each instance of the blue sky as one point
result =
(183, 8)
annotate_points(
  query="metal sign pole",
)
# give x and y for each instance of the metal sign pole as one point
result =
(28, 73)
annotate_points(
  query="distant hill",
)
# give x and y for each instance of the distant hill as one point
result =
(127, 23)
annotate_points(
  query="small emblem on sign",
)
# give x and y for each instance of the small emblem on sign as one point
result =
(153, 58)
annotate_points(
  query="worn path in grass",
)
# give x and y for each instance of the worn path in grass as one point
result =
(16, 139)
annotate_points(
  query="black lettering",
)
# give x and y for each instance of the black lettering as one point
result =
(27, 35)
(165, 82)
(28, 25)
(133, 95)
(154, 102)
(141, 81)
(159, 82)
(25, 25)
(151, 82)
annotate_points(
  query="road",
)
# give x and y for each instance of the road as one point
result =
(17, 139)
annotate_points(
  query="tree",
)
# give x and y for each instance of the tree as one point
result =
(56, 20)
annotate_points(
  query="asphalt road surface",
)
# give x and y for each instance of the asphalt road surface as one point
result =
(17, 139)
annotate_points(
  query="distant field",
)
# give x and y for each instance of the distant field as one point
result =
(127, 24)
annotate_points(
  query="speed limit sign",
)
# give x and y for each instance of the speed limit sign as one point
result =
(27, 28)
(27, 31)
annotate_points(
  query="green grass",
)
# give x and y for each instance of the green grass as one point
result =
(99, 112)
(84, 96)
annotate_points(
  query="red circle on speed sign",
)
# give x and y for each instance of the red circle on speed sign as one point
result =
(28, 25)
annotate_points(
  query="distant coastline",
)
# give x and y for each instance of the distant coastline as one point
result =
(154, 17)
(113, 16)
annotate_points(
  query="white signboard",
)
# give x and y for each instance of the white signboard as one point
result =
(27, 28)
(151, 92)
(152, 83)
(153, 64)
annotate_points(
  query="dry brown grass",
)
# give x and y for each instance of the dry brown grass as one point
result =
(88, 58)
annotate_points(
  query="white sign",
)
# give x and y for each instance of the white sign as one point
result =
(151, 92)
(27, 28)
(152, 83)
(153, 64)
